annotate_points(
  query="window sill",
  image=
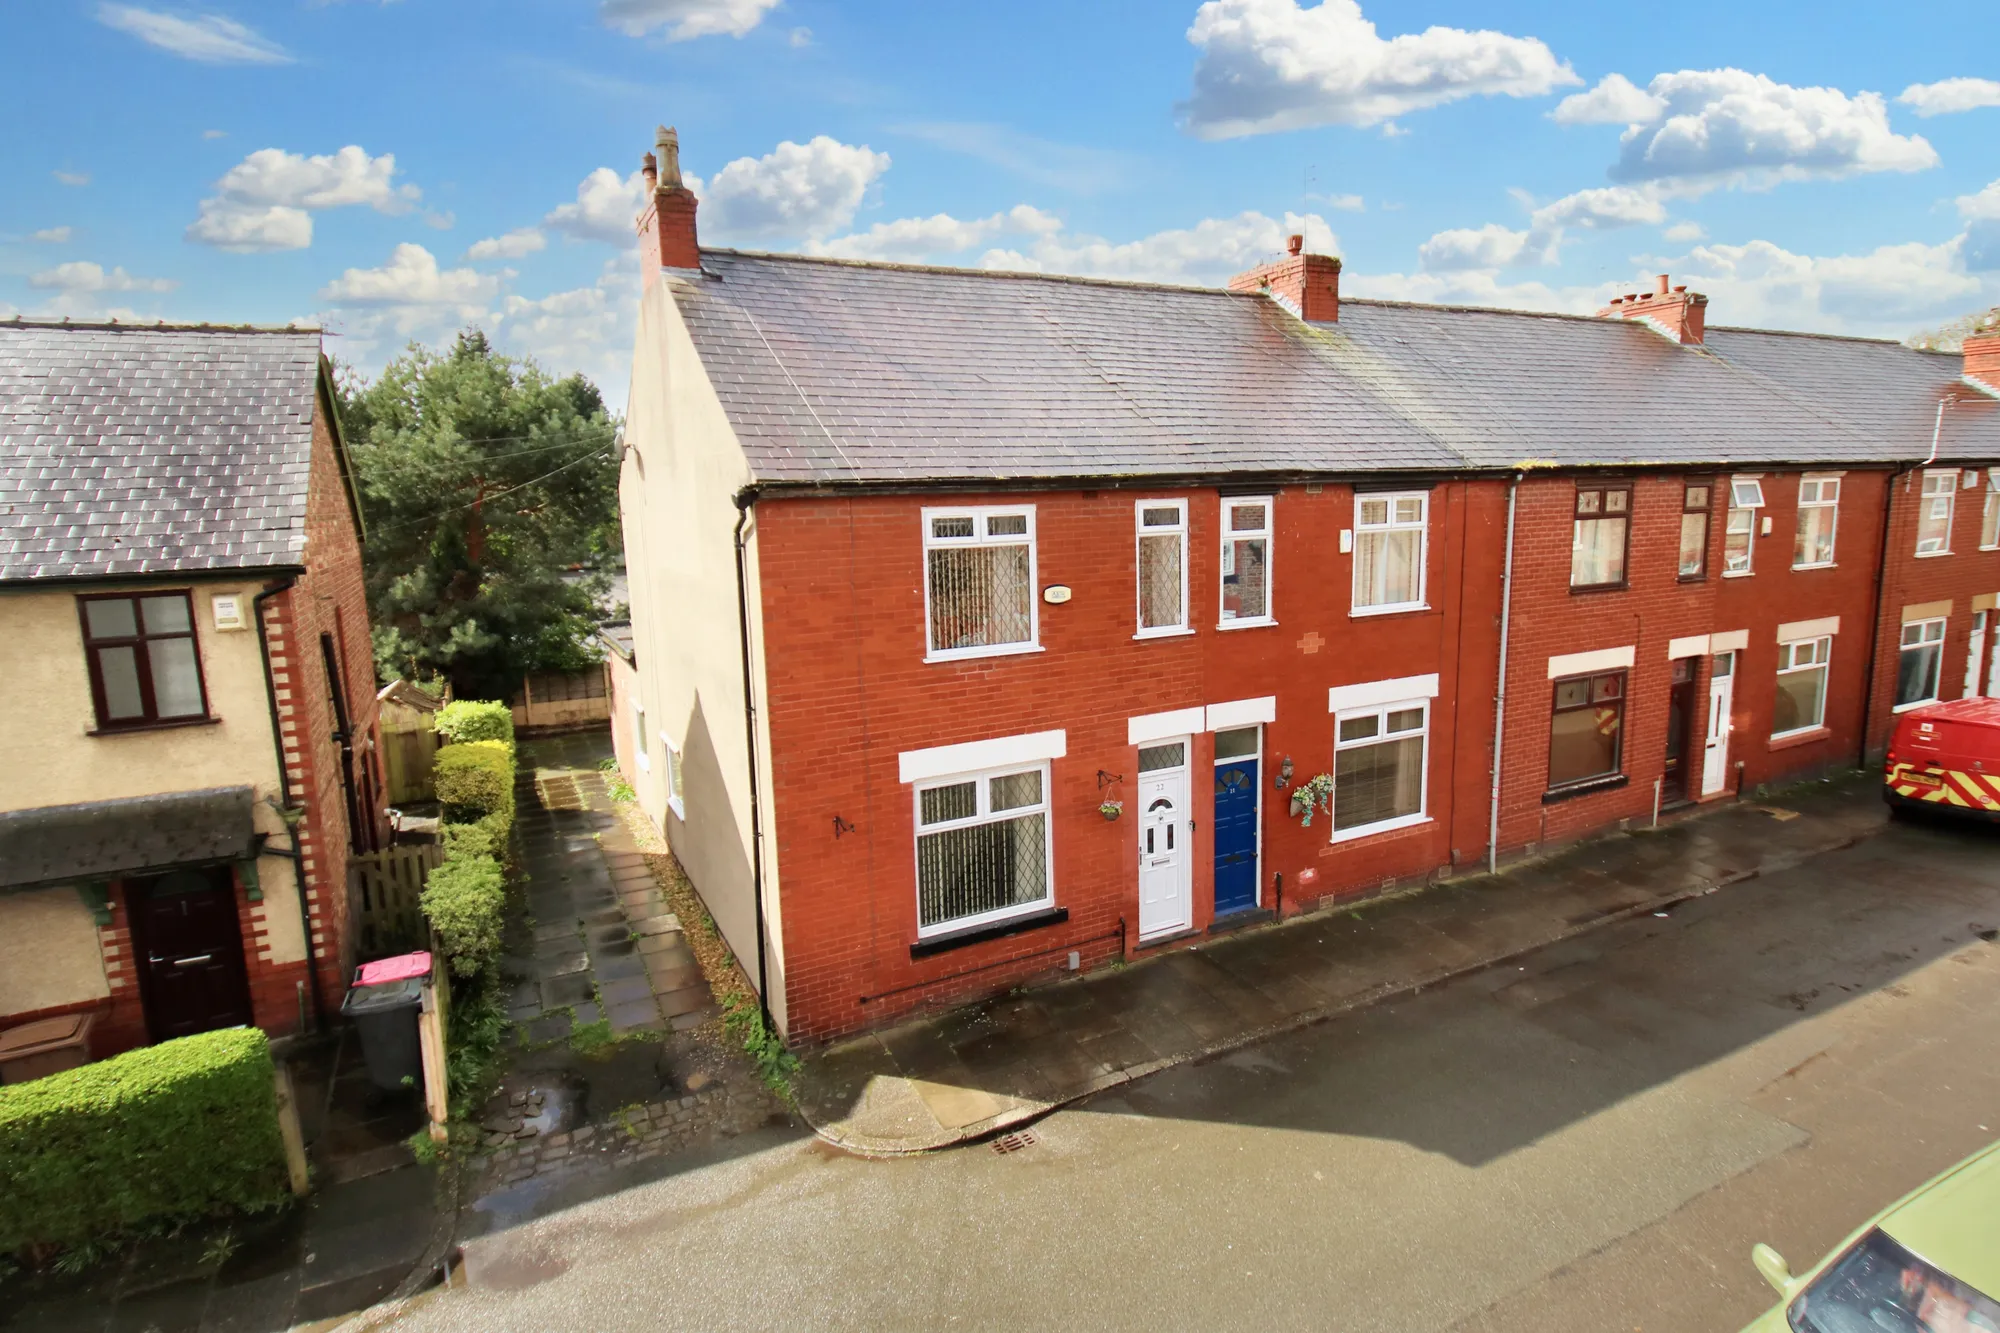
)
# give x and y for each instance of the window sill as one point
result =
(1400, 609)
(1265, 622)
(1590, 787)
(992, 930)
(1692, 578)
(1791, 739)
(1737, 573)
(975, 654)
(1919, 703)
(127, 729)
(1600, 587)
(1932, 555)
(675, 804)
(1801, 569)
(1182, 633)
(1385, 826)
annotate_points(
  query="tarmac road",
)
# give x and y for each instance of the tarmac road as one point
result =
(1590, 1141)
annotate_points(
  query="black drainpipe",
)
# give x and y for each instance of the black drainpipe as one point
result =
(285, 799)
(1875, 629)
(337, 685)
(744, 499)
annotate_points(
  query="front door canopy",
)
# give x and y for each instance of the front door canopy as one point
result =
(98, 840)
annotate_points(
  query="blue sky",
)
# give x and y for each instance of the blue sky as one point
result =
(398, 170)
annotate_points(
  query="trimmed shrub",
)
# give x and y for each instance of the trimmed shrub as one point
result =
(465, 720)
(485, 836)
(465, 900)
(474, 779)
(184, 1129)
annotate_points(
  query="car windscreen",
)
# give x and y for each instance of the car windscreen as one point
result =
(1880, 1287)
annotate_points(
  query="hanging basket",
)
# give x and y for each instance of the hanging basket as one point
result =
(1111, 809)
(1315, 793)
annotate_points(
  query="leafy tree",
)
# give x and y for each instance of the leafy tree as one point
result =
(487, 486)
(1951, 337)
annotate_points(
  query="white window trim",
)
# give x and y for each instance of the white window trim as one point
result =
(1924, 497)
(976, 756)
(1990, 497)
(983, 797)
(1140, 530)
(1794, 630)
(980, 513)
(1242, 713)
(1564, 665)
(1422, 527)
(1833, 544)
(1422, 815)
(1826, 668)
(1268, 533)
(1148, 728)
(1378, 693)
(676, 776)
(644, 758)
(1944, 637)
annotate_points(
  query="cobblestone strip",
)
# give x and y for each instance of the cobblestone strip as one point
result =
(637, 1134)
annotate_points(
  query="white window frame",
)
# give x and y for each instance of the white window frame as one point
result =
(676, 799)
(984, 814)
(1746, 495)
(1819, 658)
(1229, 535)
(1903, 646)
(1820, 482)
(981, 516)
(1946, 489)
(1140, 531)
(645, 743)
(1989, 519)
(1421, 527)
(1382, 736)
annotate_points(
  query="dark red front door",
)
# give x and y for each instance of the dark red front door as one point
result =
(1680, 726)
(190, 951)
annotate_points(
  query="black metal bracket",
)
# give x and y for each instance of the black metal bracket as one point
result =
(841, 826)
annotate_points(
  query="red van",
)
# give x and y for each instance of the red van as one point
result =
(1946, 757)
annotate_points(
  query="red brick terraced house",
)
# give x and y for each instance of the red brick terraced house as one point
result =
(191, 753)
(986, 625)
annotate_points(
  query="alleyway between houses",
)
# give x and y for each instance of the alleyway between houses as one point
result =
(1586, 1137)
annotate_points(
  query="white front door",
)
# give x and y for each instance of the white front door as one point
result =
(1715, 749)
(1166, 898)
(1975, 656)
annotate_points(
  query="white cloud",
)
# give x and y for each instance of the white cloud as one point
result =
(1685, 231)
(83, 276)
(412, 293)
(1982, 206)
(1982, 229)
(1489, 247)
(585, 328)
(910, 240)
(1346, 203)
(54, 235)
(513, 245)
(1602, 208)
(1480, 287)
(210, 39)
(1614, 101)
(1270, 65)
(71, 177)
(215, 134)
(799, 37)
(685, 20)
(1207, 253)
(1885, 292)
(606, 208)
(1495, 246)
(264, 202)
(1727, 127)
(1950, 95)
(796, 189)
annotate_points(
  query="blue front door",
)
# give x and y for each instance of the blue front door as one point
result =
(1235, 835)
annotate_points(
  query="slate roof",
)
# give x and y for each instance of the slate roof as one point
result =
(128, 450)
(837, 371)
(60, 844)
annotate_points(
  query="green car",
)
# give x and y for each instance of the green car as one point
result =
(1926, 1264)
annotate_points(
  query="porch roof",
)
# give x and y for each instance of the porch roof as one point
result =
(94, 840)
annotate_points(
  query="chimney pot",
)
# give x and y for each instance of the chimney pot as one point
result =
(1680, 289)
(649, 167)
(667, 237)
(1294, 244)
(669, 144)
(1662, 280)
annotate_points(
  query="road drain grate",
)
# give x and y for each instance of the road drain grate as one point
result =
(1014, 1142)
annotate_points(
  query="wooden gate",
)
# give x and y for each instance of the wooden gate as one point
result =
(386, 885)
(410, 755)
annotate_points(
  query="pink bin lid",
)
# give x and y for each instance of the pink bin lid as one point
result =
(402, 967)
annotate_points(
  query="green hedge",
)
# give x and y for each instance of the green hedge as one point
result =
(474, 779)
(465, 900)
(475, 720)
(184, 1129)
(485, 836)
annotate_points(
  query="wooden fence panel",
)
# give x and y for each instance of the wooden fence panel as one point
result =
(410, 756)
(387, 885)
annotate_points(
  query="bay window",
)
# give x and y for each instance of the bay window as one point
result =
(1162, 538)
(1819, 513)
(1919, 663)
(1587, 728)
(1801, 699)
(983, 848)
(1739, 529)
(1246, 562)
(979, 587)
(1389, 532)
(1597, 546)
(1934, 511)
(1378, 767)
(1694, 530)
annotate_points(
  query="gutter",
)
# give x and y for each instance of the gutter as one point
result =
(286, 807)
(745, 499)
(1500, 694)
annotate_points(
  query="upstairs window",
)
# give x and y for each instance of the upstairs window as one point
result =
(982, 848)
(1597, 550)
(1819, 512)
(1989, 526)
(1246, 562)
(1801, 700)
(1162, 539)
(1389, 551)
(979, 589)
(1920, 663)
(1587, 729)
(1695, 500)
(1739, 531)
(144, 670)
(676, 792)
(640, 740)
(1934, 511)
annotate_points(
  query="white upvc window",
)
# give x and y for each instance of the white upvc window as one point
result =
(1934, 512)
(1801, 700)
(1389, 539)
(640, 741)
(1739, 533)
(983, 850)
(1989, 525)
(1161, 534)
(1819, 515)
(1246, 561)
(1380, 754)
(675, 796)
(1920, 663)
(979, 581)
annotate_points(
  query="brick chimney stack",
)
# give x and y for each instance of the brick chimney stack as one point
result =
(1307, 285)
(1679, 313)
(1982, 352)
(666, 229)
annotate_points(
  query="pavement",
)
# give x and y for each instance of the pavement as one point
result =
(1588, 1137)
(970, 1072)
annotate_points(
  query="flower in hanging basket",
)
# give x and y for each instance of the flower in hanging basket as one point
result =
(1314, 792)
(1111, 809)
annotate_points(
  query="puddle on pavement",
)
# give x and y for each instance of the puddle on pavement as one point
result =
(515, 1272)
